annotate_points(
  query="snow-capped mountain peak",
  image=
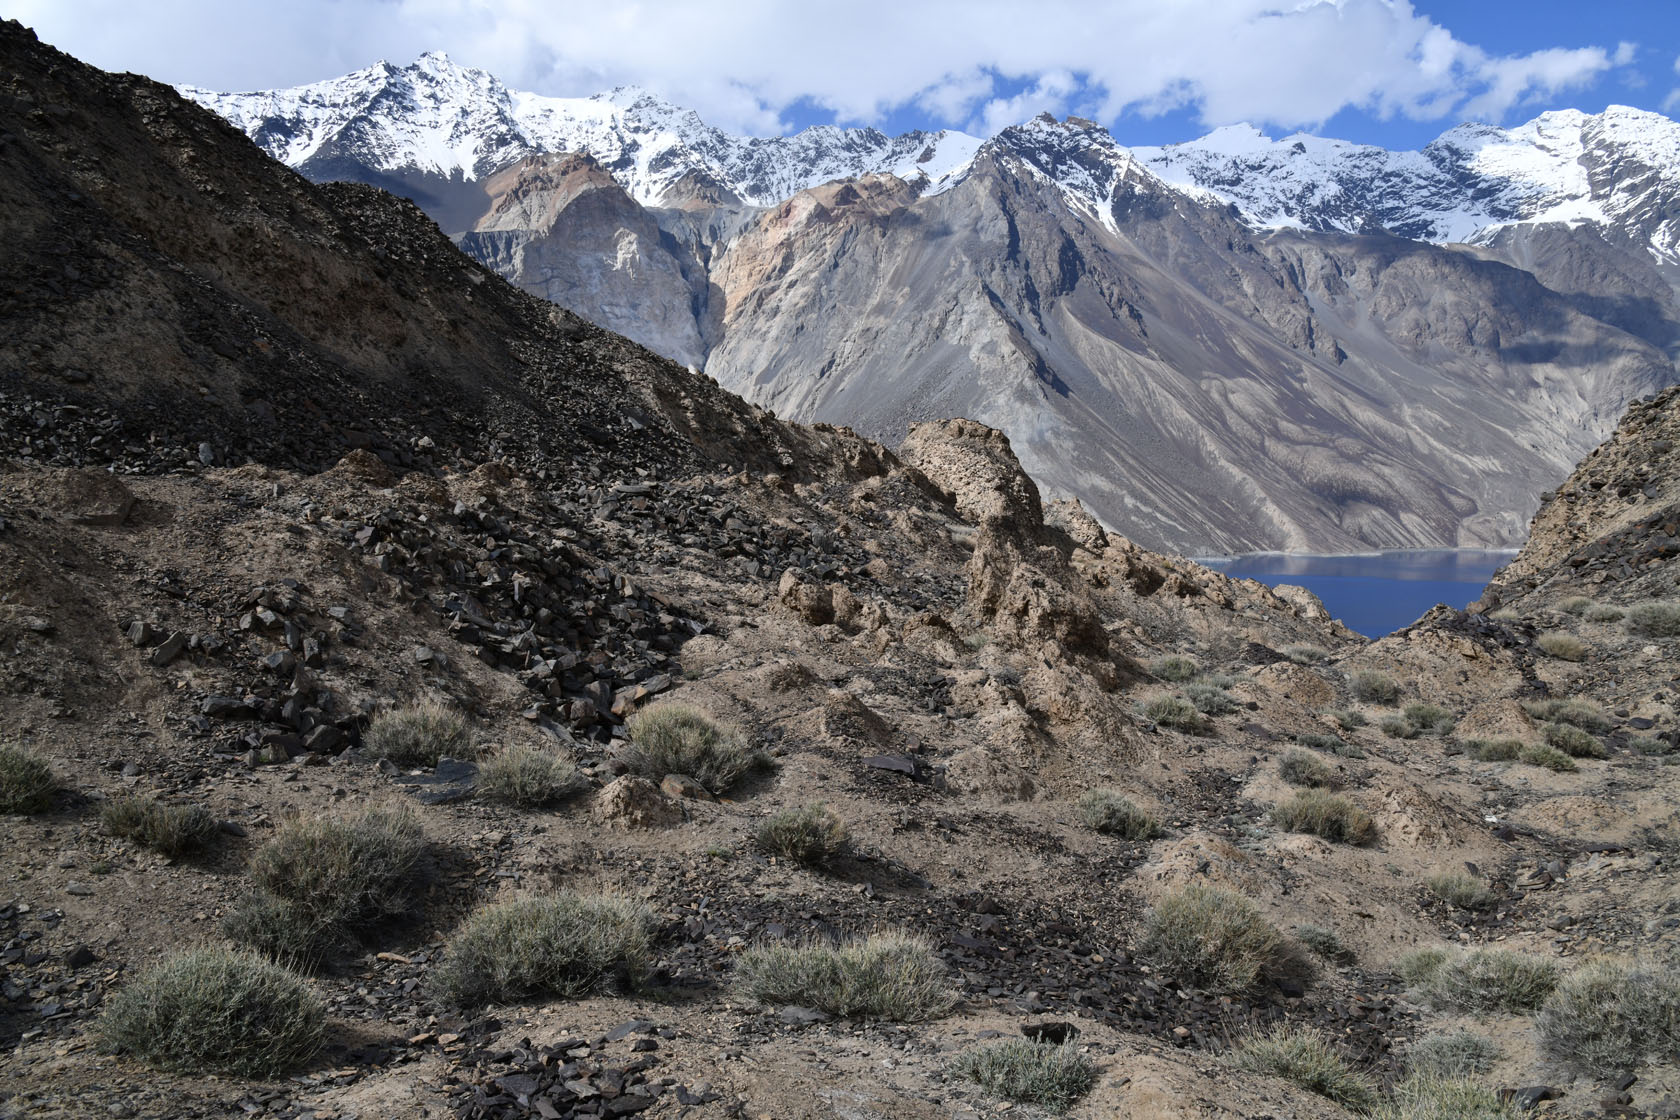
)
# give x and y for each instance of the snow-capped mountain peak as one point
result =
(1618, 169)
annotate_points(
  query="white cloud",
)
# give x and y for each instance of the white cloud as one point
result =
(742, 63)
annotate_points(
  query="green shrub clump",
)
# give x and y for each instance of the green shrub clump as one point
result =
(1175, 667)
(564, 944)
(1374, 687)
(1575, 604)
(1329, 815)
(1550, 758)
(1348, 719)
(676, 738)
(1578, 713)
(322, 881)
(1449, 1054)
(884, 976)
(1430, 719)
(1304, 1057)
(811, 836)
(1173, 711)
(525, 777)
(27, 784)
(1107, 810)
(1491, 980)
(1323, 942)
(1458, 889)
(1047, 1076)
(1564, 647)
(1612, 1014)
(1214, 939)
(1599, 612)
(1655, 620)
(1399, 727)
(1302, 768)
(170, 829)
(1209, 698)
(1321, 742)
(418, 734)
(1493, 750)
(1427, 1097)
(216, 1009)
(1572, 741)
(1305, 654)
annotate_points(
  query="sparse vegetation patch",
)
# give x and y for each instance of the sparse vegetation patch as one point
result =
(525, 777)
(1491, 980)
(1304, 654)
(1573, 741)
(1374, 687)
(1304, 1057)
(1578, 713)
(1110, 811)
(1655, 620)
(418, 734)
(1329, 815)
(1210, 699)
(1612, 1014)
(1549, 758)
(1456, 1053)
(1458, 889)
(170, 829)
(1173, 711)
(676, 738)
(812, 836)
(320, 880)
(216, 1009)
(1214, 939)
(1302, 768)
(1175, 667)
(563, 945)
(1493, 750)
(885, 976)
(1034, 1073)
(1426, 1097)
(27, 784)
(1564, 647)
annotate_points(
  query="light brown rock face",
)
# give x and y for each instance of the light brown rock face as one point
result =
(562, 229)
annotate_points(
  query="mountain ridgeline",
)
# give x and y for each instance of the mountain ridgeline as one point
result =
(1230, 344)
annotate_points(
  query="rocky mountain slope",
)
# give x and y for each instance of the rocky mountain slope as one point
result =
(543, 530)
(1199, 382)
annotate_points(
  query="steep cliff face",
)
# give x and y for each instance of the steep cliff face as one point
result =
(563, 229)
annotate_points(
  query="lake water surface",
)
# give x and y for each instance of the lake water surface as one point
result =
(1379, 592)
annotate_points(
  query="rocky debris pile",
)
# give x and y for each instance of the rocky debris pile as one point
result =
(606, 1076)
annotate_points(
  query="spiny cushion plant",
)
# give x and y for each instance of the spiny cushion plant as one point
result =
(884, 976)
(525, 777)
(418, 734)
(1174, 667)
(1374, 687)
(217, 1009)
(1173, 711)
(1302, 768)
(169, 829)
(1612, 1014)
(1109, 811)
(27, 784)
(563, 944)
(1329, 815)
(1304, 1057)
(674, 738)
(812, 835)
(321, 880)
(1215, 939)
(1573, 741)
(1048, 1076)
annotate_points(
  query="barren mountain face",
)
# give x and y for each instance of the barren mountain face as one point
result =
(1225, 345)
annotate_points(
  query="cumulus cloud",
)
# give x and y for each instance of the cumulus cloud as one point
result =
(973, 63)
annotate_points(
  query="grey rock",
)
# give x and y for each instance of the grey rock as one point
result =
(173, 646)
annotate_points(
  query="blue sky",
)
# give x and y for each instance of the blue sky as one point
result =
(1392, 72)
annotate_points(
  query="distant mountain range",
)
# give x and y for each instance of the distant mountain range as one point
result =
(1232, 343)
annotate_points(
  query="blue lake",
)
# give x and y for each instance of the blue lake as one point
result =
(1379, 592)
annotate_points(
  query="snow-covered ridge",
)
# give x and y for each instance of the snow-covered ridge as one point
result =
(1619, 169)
(439, 118)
